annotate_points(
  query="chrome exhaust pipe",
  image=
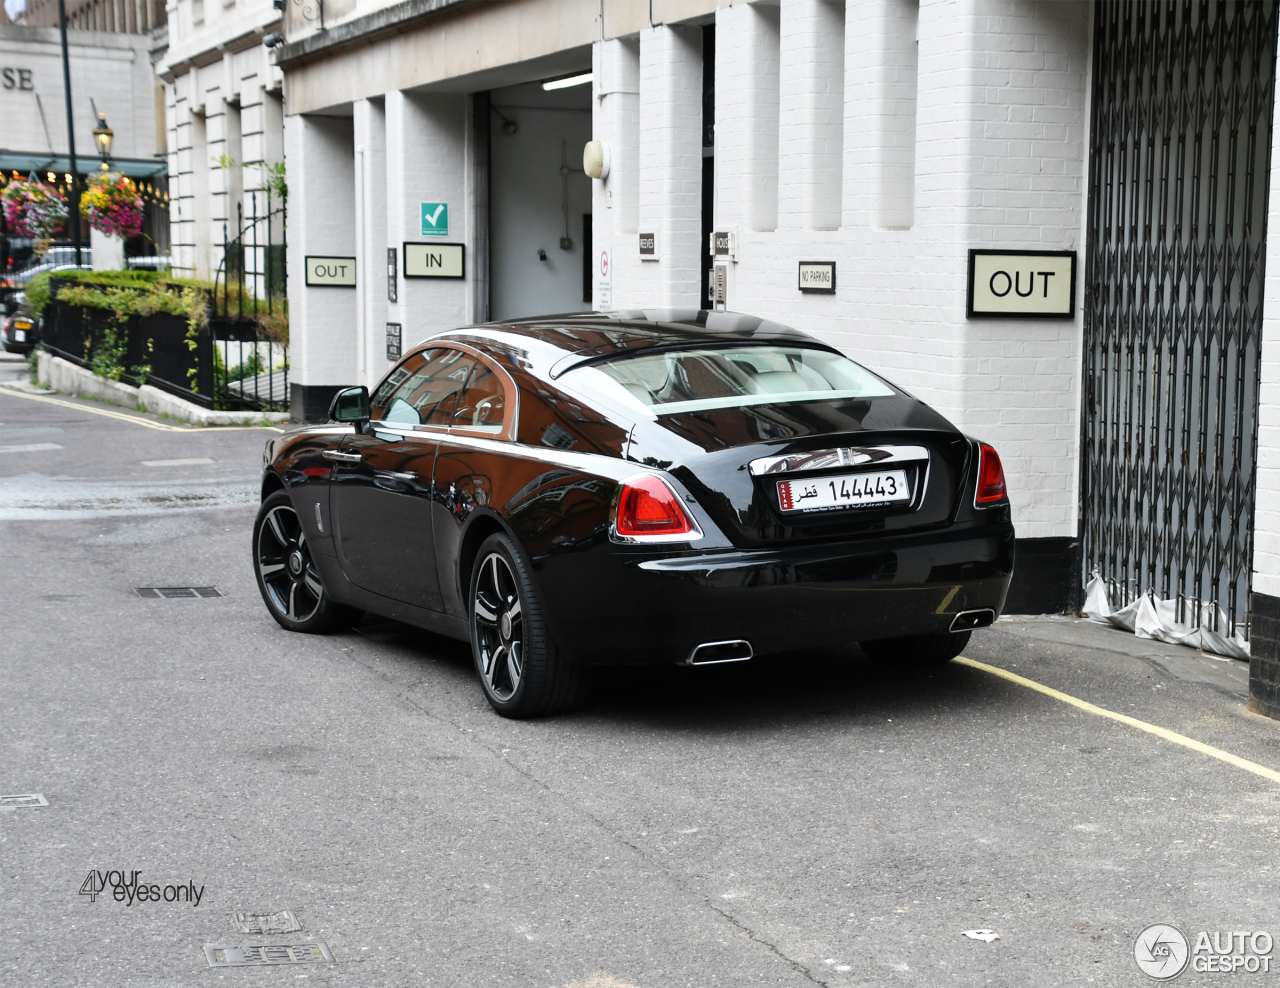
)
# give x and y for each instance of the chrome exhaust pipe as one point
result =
(714, 653)
(983, 617)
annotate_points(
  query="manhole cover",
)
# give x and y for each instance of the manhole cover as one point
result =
(273, 953)
(273, 923)
(169, 593)
(24, 799)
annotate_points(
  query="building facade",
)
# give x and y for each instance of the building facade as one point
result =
(112, 73)
(841, 166)
(224, 117)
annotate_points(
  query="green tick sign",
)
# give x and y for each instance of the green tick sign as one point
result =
(435, 219)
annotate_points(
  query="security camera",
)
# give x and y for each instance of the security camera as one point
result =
(273, 39)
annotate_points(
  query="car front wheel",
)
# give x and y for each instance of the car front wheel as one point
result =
(925, 650)
(287, 575)
(522, 672)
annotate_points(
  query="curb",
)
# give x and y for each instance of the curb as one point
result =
(65, 377)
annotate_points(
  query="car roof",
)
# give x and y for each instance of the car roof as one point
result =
(593, 336)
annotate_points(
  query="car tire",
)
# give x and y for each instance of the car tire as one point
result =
(522, 672)
(288, 579)
(919, 650)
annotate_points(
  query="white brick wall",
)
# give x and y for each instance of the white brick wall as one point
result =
(427, 162)
(671, 161)
(321, 221)
(1266, 524)
(370, 134)
(999, 156)
(811, 114)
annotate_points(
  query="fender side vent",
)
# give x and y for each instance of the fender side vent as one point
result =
(170, 593)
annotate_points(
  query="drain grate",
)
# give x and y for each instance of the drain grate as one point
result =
(24, 799)
(274, 953)
(271, 923)
(172, 592)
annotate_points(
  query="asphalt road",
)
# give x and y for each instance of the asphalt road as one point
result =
(805, 819)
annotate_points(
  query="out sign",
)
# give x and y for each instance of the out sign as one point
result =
(1022, 283)
(331, 272)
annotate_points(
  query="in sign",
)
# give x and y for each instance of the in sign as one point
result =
(330, 272)
(434, 260)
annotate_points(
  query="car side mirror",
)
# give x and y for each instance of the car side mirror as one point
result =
(351, 405)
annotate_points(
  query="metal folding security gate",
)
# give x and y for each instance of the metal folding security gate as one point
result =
(1181, 139)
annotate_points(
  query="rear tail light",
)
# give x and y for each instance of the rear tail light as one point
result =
(991, 488)
(646, 509)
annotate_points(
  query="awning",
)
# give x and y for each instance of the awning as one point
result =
(17, 161)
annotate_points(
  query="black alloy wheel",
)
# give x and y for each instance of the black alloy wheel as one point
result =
(287, 576)
(522, 673)
(920, 650)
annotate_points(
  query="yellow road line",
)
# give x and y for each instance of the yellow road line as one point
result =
(1161, 732)
(163, 427)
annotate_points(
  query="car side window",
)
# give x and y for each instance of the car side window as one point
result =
(482, 406)
(423, 389)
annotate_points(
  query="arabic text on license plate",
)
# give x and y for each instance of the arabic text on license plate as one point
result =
(849, 491)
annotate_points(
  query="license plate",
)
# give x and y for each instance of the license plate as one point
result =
(20, 336)
(854, 490)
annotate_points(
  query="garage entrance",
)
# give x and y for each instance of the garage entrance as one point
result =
(539, 198)
(1181, 141)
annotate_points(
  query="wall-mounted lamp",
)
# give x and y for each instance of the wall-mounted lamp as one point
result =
(595, 159)
(102, 137)
(509, 127)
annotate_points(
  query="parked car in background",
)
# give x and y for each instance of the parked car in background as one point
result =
(19, 329)
(644, 487)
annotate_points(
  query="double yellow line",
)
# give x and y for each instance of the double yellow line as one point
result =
(123, 417)
(1173, 737)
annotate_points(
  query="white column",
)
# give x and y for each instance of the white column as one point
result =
(1266, 519)
(427, 162)
(321, 221)
(811, 114)
(671, 164)
(881, 73)
(371, 239)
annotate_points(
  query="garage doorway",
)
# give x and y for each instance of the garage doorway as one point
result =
(1178, 192)
(540, 200)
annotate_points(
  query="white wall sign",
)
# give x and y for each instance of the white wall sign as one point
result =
(604, 283)
(1022, 283)
(434, 260)
(818, 276)
(331, 272)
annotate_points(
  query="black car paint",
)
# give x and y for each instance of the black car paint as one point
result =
(398, 527)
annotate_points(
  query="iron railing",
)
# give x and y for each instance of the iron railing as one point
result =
(1178, 173)
(251, 309)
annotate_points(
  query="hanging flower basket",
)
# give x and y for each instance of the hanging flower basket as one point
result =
(112, 205)
(33, 209)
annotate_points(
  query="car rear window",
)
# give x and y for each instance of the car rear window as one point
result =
(674, 381)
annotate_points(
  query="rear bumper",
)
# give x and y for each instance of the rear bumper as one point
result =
(605, 606)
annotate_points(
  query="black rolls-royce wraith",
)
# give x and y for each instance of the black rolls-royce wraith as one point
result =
(636, 487)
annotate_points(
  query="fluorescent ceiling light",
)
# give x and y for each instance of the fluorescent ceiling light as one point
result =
(573, 80)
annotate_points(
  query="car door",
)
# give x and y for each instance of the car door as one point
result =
(472, 466)
(382, 481)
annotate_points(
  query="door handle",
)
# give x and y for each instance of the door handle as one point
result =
(340, 457)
